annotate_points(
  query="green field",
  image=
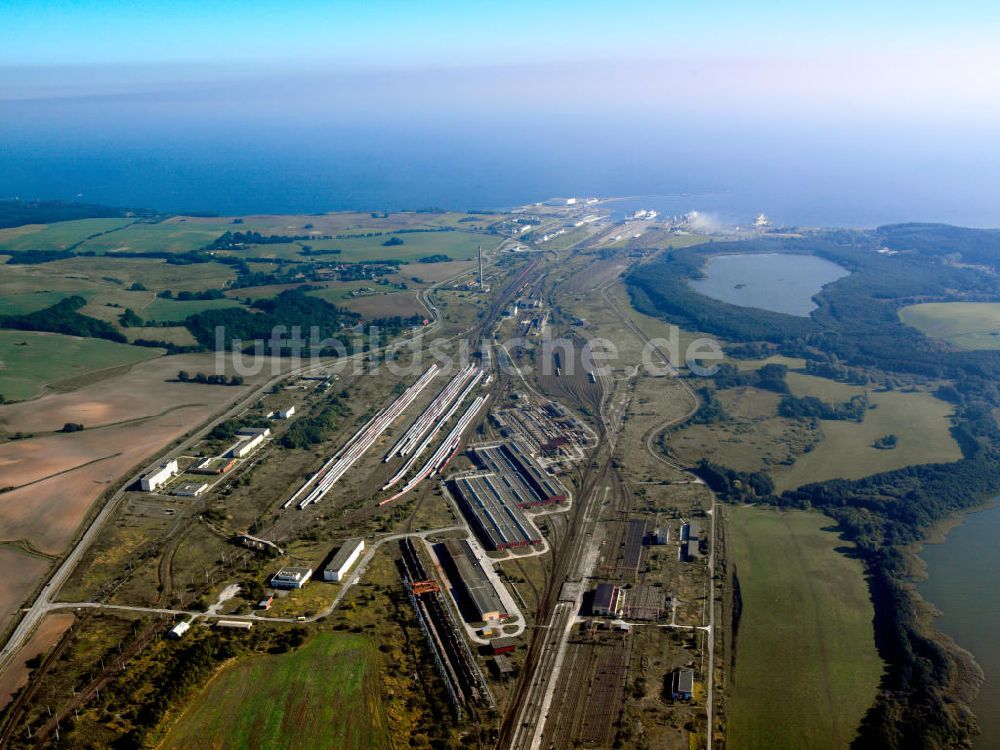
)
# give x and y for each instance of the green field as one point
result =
(177, 310)
(456, 245)
(323, 695)
(155, 274)
(970, 325)
(920, 421)
(49, 357)
(20, 304)
(57, 236)
(806, 665)
(172, 236)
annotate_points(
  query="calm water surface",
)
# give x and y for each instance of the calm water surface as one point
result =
(963, 583)
(770, 281)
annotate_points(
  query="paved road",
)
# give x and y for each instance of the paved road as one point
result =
(194, 613)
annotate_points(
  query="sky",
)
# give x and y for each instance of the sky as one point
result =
(827, 96)
(928, 57)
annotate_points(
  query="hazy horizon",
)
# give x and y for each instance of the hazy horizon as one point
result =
(850, 116)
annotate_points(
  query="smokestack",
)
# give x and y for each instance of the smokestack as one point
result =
(482, 284)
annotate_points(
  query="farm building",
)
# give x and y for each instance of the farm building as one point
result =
(291, 578)
(608, 600)
(342, 559)
(178, 630)
(682, 684)
(160, 475)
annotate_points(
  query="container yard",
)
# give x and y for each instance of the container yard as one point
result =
(319, 484)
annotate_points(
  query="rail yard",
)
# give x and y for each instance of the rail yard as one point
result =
(460, 514)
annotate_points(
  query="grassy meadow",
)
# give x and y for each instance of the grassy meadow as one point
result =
(30, 360)
(920, 422)
(806, 664)
(970, 325)
(177, 310)
(58, 236)
(322, 695)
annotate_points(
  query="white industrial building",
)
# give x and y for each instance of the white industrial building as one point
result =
(156, 478)
(291, 578)
(343, 559)
(178, 630)
(246, 444)
(190, 489)
(254, 431)
(286, 413)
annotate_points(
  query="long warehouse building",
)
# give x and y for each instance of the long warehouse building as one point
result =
(475, 591)
(494, 512)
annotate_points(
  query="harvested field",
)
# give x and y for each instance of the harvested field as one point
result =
(386, 305)
(65, 474)
(171, 334)
(46, 635)
(29, 568)
(30, 360)
(435, 272)
(806, 665)
(323, 695)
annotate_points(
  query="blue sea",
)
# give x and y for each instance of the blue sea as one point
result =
(175, 157)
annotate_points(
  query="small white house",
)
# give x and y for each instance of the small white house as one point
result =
(178, 630)
(286, 413)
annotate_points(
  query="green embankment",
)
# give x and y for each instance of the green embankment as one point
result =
(323, 695)
(806, 665)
